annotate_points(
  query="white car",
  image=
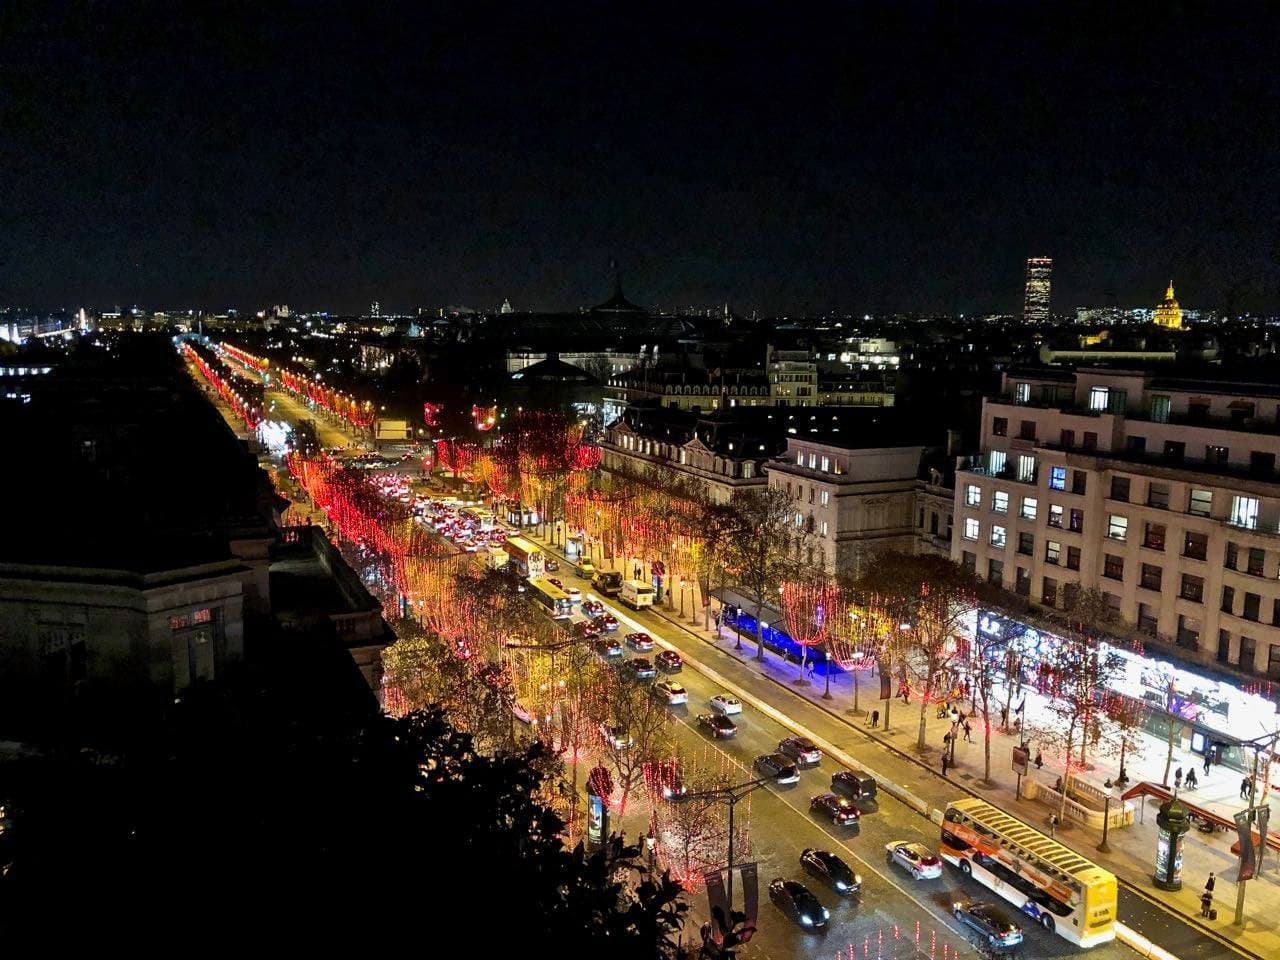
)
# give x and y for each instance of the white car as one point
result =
(574, 594)
(723, 703)
(918, 860)
(673, 692)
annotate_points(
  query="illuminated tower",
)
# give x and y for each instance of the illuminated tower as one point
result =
(1169, 313)
(1035, 307)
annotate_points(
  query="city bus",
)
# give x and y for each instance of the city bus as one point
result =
(527, 556)
(1051, 884)
(552, 599)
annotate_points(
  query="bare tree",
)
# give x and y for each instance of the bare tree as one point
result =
(637, 730)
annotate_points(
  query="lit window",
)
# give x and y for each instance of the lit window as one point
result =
(972, 529)
(1118, 527)
(1022, 392)
(1244, 512)
(1099, 398)
(824, 528)
(826, 464)
(1200, 503)
(1052, 551)
(799, 520)
(826, 497)
(1057, 478)
(996, 461)
(972, 495)
(997, 535)
(1029, 506)
(1000, 502)
(1026, 469)
(1055, 515)
(813, 460)
(800, 459)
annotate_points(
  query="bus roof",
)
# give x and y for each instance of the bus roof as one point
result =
(1061, 858)
(520, 543)
(543, 585)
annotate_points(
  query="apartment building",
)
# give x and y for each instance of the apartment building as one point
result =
(1162, 493)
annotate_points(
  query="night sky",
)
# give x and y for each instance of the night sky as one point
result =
(858, 157)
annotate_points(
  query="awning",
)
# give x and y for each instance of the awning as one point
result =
(731, 597)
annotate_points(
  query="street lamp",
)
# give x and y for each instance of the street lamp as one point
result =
(730, 795)
(1256, 744)
(1106, 818)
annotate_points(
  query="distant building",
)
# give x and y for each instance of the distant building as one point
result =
(507, 308)
(793, 377)
(1035, 306)
(1169, 313)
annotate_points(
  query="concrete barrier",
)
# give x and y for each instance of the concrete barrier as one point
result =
(1140, 944)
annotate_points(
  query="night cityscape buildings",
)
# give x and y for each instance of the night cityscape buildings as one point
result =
(1035, 304)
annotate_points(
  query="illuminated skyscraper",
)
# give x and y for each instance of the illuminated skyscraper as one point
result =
(1035, 308)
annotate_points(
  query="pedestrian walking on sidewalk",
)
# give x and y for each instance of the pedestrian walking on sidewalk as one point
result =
(944, 763)
(1206, 904)
(875, 718)
(1039, 760)
(1053, 824)
(1207, 760)
(968, 733)
(717, 622)
(1191, 780)
(1209, 884)
(1177, 779)
(1004, 717)
(1244, 789)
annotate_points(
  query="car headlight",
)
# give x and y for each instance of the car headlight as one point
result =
(841, 885)
(857, 878)
(826, 914)
(804, 918)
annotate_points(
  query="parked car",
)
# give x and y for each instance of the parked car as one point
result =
(616, 737)
(670, 661)
(723, 703)
(855, 786)
(841, 811)
(671, 691)
(994, 925)
(640, 641)
(781, 769)
(827, 866)
(795, 900)
(917, 859)
(801, 749)
(717, 724)
(642, 668)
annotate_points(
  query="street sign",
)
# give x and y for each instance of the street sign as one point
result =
(1020, 757)
(1248, 864)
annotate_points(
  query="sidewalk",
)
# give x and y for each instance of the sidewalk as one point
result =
(1132, 848)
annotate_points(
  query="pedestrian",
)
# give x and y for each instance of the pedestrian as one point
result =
(967, 687)
(1209, 884)
(1053, 824)
(1177, 779)
(1039, 760)
(944, 763)
(1004, 717)
(651, 846)
(1244, 789)
(808, 668)
(1191, 781)
(1207, 760)
(955, 715)
(717, 621)
(875, 718)
(1206, 904)
(968, 732)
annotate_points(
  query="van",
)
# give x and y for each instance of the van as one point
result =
(610, 584)
(636, 594)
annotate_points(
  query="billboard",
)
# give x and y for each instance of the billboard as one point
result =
(392, 431)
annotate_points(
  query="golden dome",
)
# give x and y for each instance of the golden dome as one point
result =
(1169, 313)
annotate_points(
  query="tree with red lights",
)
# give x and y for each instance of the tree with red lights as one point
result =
(644, 728)
(808, 609)
(758, 547)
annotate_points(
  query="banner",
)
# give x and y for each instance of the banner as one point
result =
(1248, 865)
(718, 901)
(886, 681)
(750, 893)
(1264, 815)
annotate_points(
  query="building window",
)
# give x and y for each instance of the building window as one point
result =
(1068, 439)
(972, 495)
(800, 459)
(1257, 557)
(826, 464)
(1275, 612)
(1049, 592)
(1000, 502)
(1158, 495)
(1273, 662)
(972, 529)
(799, 520)
(1052, 551)
(1195, 545)
(1057, 478)
(1026, 469)
(1079, 481)
(997, 535)
(1027, 430)
(1192, 588)
(1099, 397)
(1090, 440)
(824, 528)
(826, 497)
(1228, 604)
(1022, 392)
(1113, 566)
(1224, 647)
(1026, 543)
(1262, 466)
(1022, 586)
(1073, 558)
(968, 561)
(1252, 607)
(1118, 527)
(995, 571)
(1160, 409)
(1136, 444)
(1029, 506)
(1120, 489)
(1000, 426)
(1055, 515)
(996, 460)
(1147, 621)
(1175, 451)
(1245, 659)
(813, 461)
(1188, 632)
(1244, 512)
(1076, 521)
(1232, 558)
(1200, 503)
(1151, 577)
(1153, 536)
(1215, 455)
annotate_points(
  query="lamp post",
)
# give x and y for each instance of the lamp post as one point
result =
(1257, 744)
(730, 795)
(1106, 820)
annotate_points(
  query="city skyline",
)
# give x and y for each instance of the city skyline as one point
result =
(871, 159)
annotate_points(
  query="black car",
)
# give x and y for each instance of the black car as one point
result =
(795, 900)
(608, 647)
(670, 661)
(827, 866)
(855, 786)
(641, 668)
(802, 750)
(841, 811)
(717, 724)
(552, 566)
(992, 924)
(774, 765)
